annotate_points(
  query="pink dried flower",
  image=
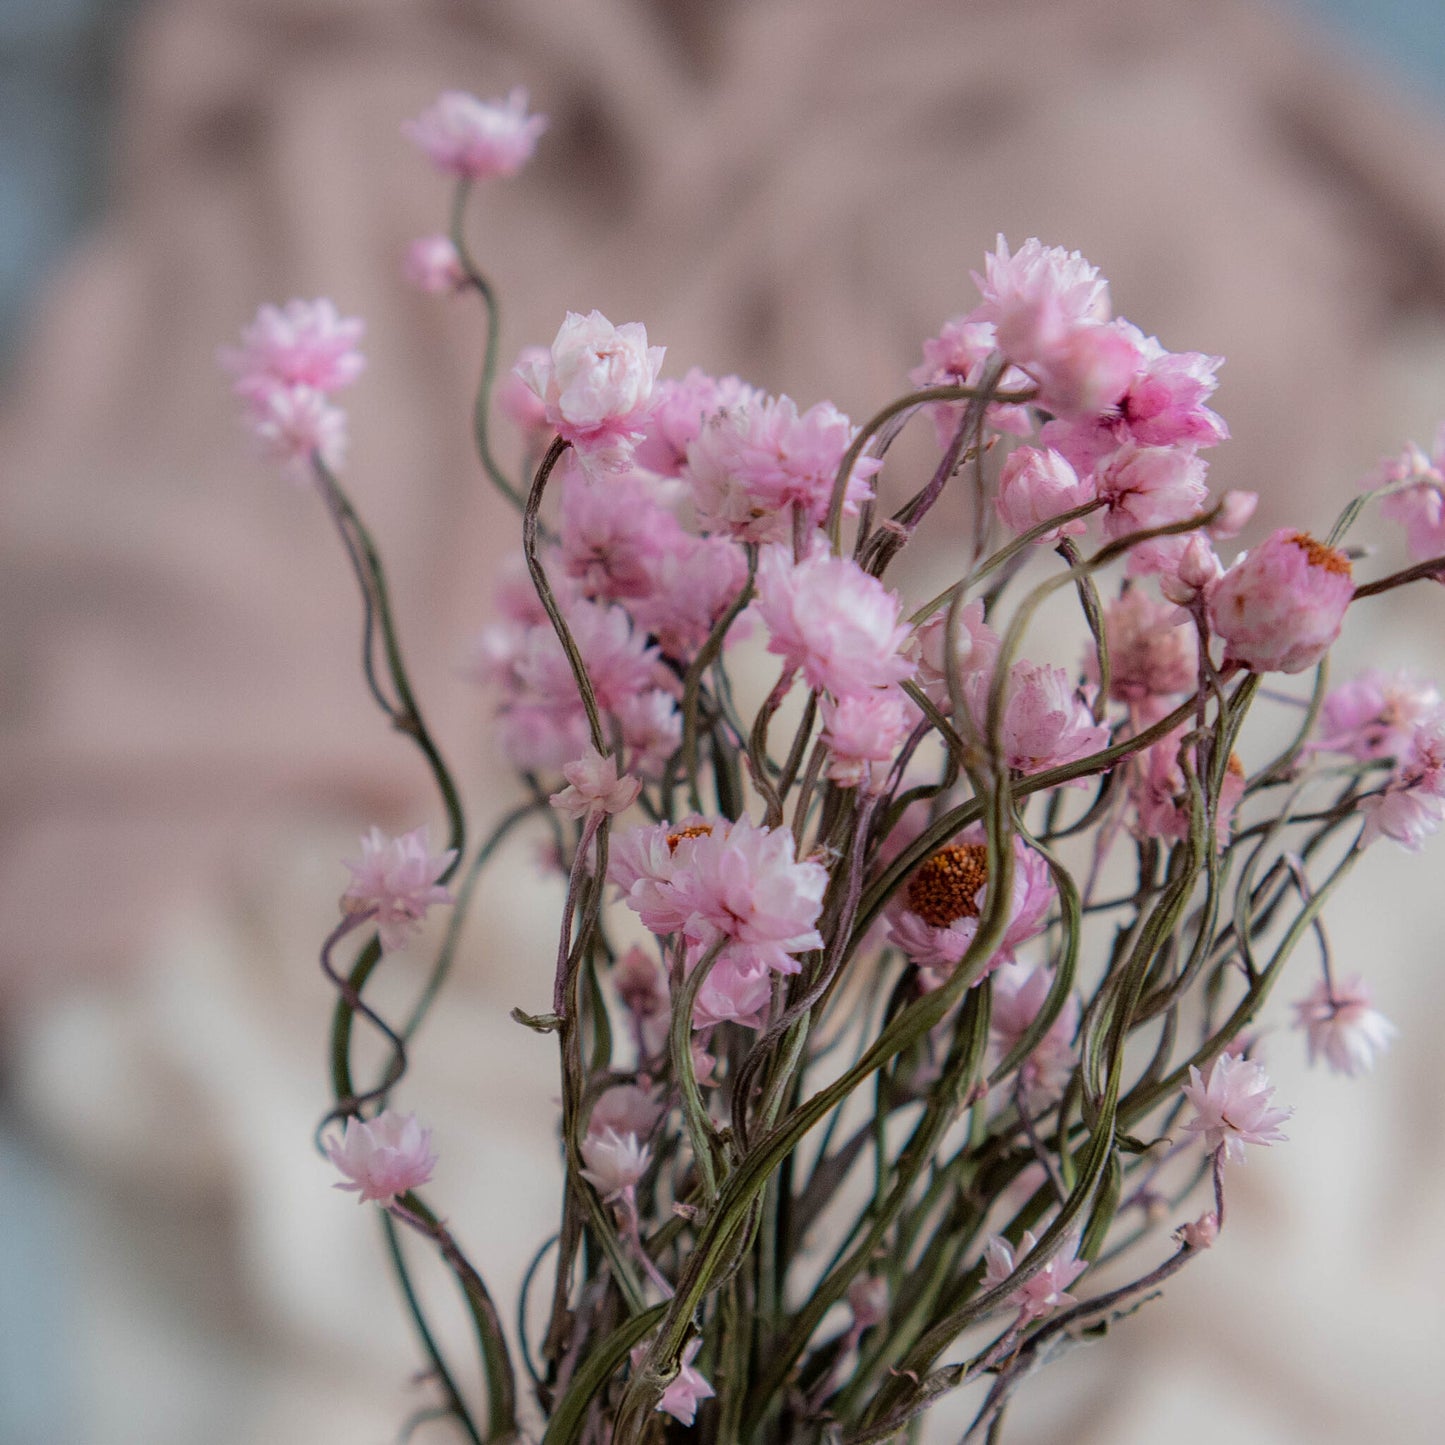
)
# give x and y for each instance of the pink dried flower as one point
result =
(975, 648)
(1151, 487)
(625, 1109)
(1045, 722)
(1036, 297)
(737, 990)
(957, 356)
(830, 618)
(382, 1157)
(863, 732)
(518, 402)
(474, 139)
(1190, 571)
(680, 1399)
(1281, 605)
(615, 1162)
(1342, 1028)
(397, 879)
(1037, 485)
(431, 264)
(754, 464)
(615, 534)
(1160, 792)
(679, 412)
(1087, 372)
(690, 586)
(1044, 1292)
(1232, 1106)
(1419, 503)
(1019, 993)
(1377, 714)
(1153, 650)
(294, 426)
(596, 384)
(304, 343)
(1202, 1233)
(594, 787)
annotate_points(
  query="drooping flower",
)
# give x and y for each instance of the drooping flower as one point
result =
(475, 139)
(596, 385)
(1281, 605)
(382, 1157)
(431, 264)
(397, 879)
(680, 1399)
(594, 787)
(615, 1162)
(1035, 486)
(1342, 1028)
(1232, 1106)
(304, 343)
(830, 618)
(1046, 1291)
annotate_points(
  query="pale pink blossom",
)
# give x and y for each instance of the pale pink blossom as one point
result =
(756, 464)
(1159, 792)
(1035, 486)
(518, 402)
(615, 1162)
(830, 618)
(382, 1157)
(1418, 501)
(596, 384)
(680, 1399)
(294, 426)
(1036, 297)
(1087, 372)
(1232, 1106)
(863, 733)
(1281, 605)
(975, 649)
(1412, 807)
(1153, 649)
(737, 990)
(958, 356)
(641, 984)
(651, 727)
(615, 533)
(475, 139)
(304, 343)
(1047, 1290)
(679, 412)
(1019, 993)
(1377, 714)
(1045, 722)
(690, 586)
(1147, 487)
(934, 918)
(432, 264)
(397, 880)
(594, 787)
(1202, 1233)
(1188, 571)
(625, 1109)
(1342, 1028)
(1236, 511)
(619, 661)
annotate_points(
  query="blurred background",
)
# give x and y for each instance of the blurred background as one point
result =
(791, 189)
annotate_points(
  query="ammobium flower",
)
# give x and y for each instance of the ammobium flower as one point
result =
(382, 1157)
(593, 786)
(615, 1162)
(1280, 606)
(304, 343)
(680, 1399)
(1048, 1289)
(397, 877)
(1232, 1106)
(1341, 1027)
(477, 139)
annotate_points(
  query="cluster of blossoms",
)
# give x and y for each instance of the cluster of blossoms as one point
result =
(906, 893)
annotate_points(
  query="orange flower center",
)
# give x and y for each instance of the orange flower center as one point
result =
(1321, 556)
(693, 830)
(945, 887)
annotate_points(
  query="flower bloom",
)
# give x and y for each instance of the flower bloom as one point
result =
(1412, 807)
(1281, 605)
(1045, 722)
(1419, 506)
(475, 139)
(935, 918)
(397, 879)
(753, 466)
(1160, 793)
(1037, 297)
(382, 1157)
(975, 649)
(1035, 486)
(518, 402)
(594, 787)
(615, 1162)
(957, 356)
(680, 1399)
(1151, 487)
(595, 384)
(1019, 992)
(293, 425)
(304, 343)
(1377, 714)
(1153, 651)
(1232, 1106)
(1342, 1028)
(431, 264)
(830, 618)
(863, 732)
(1048, 1289)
